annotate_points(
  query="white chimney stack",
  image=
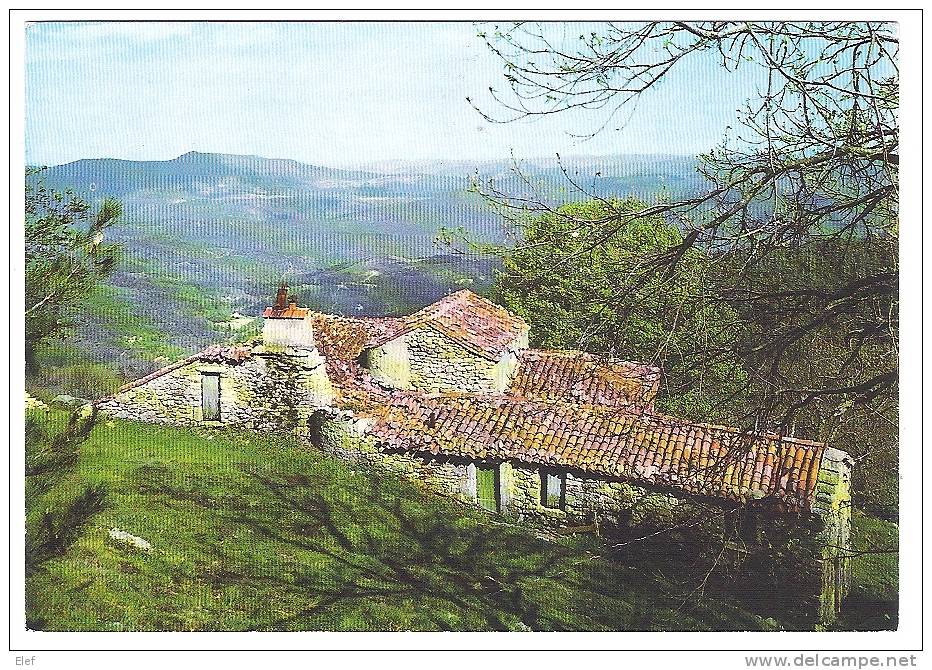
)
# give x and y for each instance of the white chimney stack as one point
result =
(286, 324)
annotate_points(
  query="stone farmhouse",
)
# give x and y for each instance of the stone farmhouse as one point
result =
(453, 398)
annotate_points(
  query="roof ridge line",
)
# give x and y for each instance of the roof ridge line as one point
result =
(453, 335)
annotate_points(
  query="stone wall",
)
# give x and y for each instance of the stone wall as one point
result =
(833, 505)
(427, 360)
(271, 390)
(345, 437)
(439, 363)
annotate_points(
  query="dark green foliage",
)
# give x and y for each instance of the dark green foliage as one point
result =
(873, 603)
(51, 456)
(47, 453)
(592, 286)
(821, 310)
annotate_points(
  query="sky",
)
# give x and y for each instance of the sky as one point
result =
(337, 94)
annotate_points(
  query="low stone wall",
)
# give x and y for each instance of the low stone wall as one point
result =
(345, 438)
(271, 390)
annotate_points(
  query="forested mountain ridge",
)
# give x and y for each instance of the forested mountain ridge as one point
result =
(205, 236)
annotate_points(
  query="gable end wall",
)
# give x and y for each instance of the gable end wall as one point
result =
(265, 392)
(427, 360)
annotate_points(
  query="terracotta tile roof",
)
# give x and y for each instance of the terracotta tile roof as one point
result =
(340, 340)
(345, 337)
(695, 458)
(565, 409)
(478, 324)
(292, 311)
(581, 377)
(231, 355)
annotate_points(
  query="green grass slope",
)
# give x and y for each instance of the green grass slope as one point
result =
(253, 532)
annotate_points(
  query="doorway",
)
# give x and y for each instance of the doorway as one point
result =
(210, 396)
(487, 483)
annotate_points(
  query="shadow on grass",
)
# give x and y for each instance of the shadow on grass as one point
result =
(334, 550)
(864, 612)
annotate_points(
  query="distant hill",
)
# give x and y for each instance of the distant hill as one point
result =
(207, 235)
(196, 171)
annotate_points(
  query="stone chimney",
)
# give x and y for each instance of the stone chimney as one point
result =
(286, 324)
(292, 362)
(281, 297)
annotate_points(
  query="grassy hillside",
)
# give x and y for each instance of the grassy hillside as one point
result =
(250, 532)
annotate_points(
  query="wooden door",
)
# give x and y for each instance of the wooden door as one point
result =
(487, 487)
(210, 396)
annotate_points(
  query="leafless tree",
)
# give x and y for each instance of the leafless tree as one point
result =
(801, 210)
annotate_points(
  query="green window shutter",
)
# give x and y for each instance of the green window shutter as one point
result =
(210, 396)
(487, 487)
(551, 489)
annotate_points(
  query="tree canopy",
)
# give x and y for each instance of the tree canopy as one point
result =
(602, 298)
(800, 216)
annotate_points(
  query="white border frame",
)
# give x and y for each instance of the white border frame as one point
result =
(908, 637)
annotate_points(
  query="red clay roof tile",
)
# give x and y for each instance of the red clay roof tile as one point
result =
(695, 458)
(478, 324)
(340, 340)
(575, 376)
(292, 311)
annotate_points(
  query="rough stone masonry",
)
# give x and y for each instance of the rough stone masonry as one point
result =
(452, 398)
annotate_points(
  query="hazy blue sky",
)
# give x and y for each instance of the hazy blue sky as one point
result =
(325, 93)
